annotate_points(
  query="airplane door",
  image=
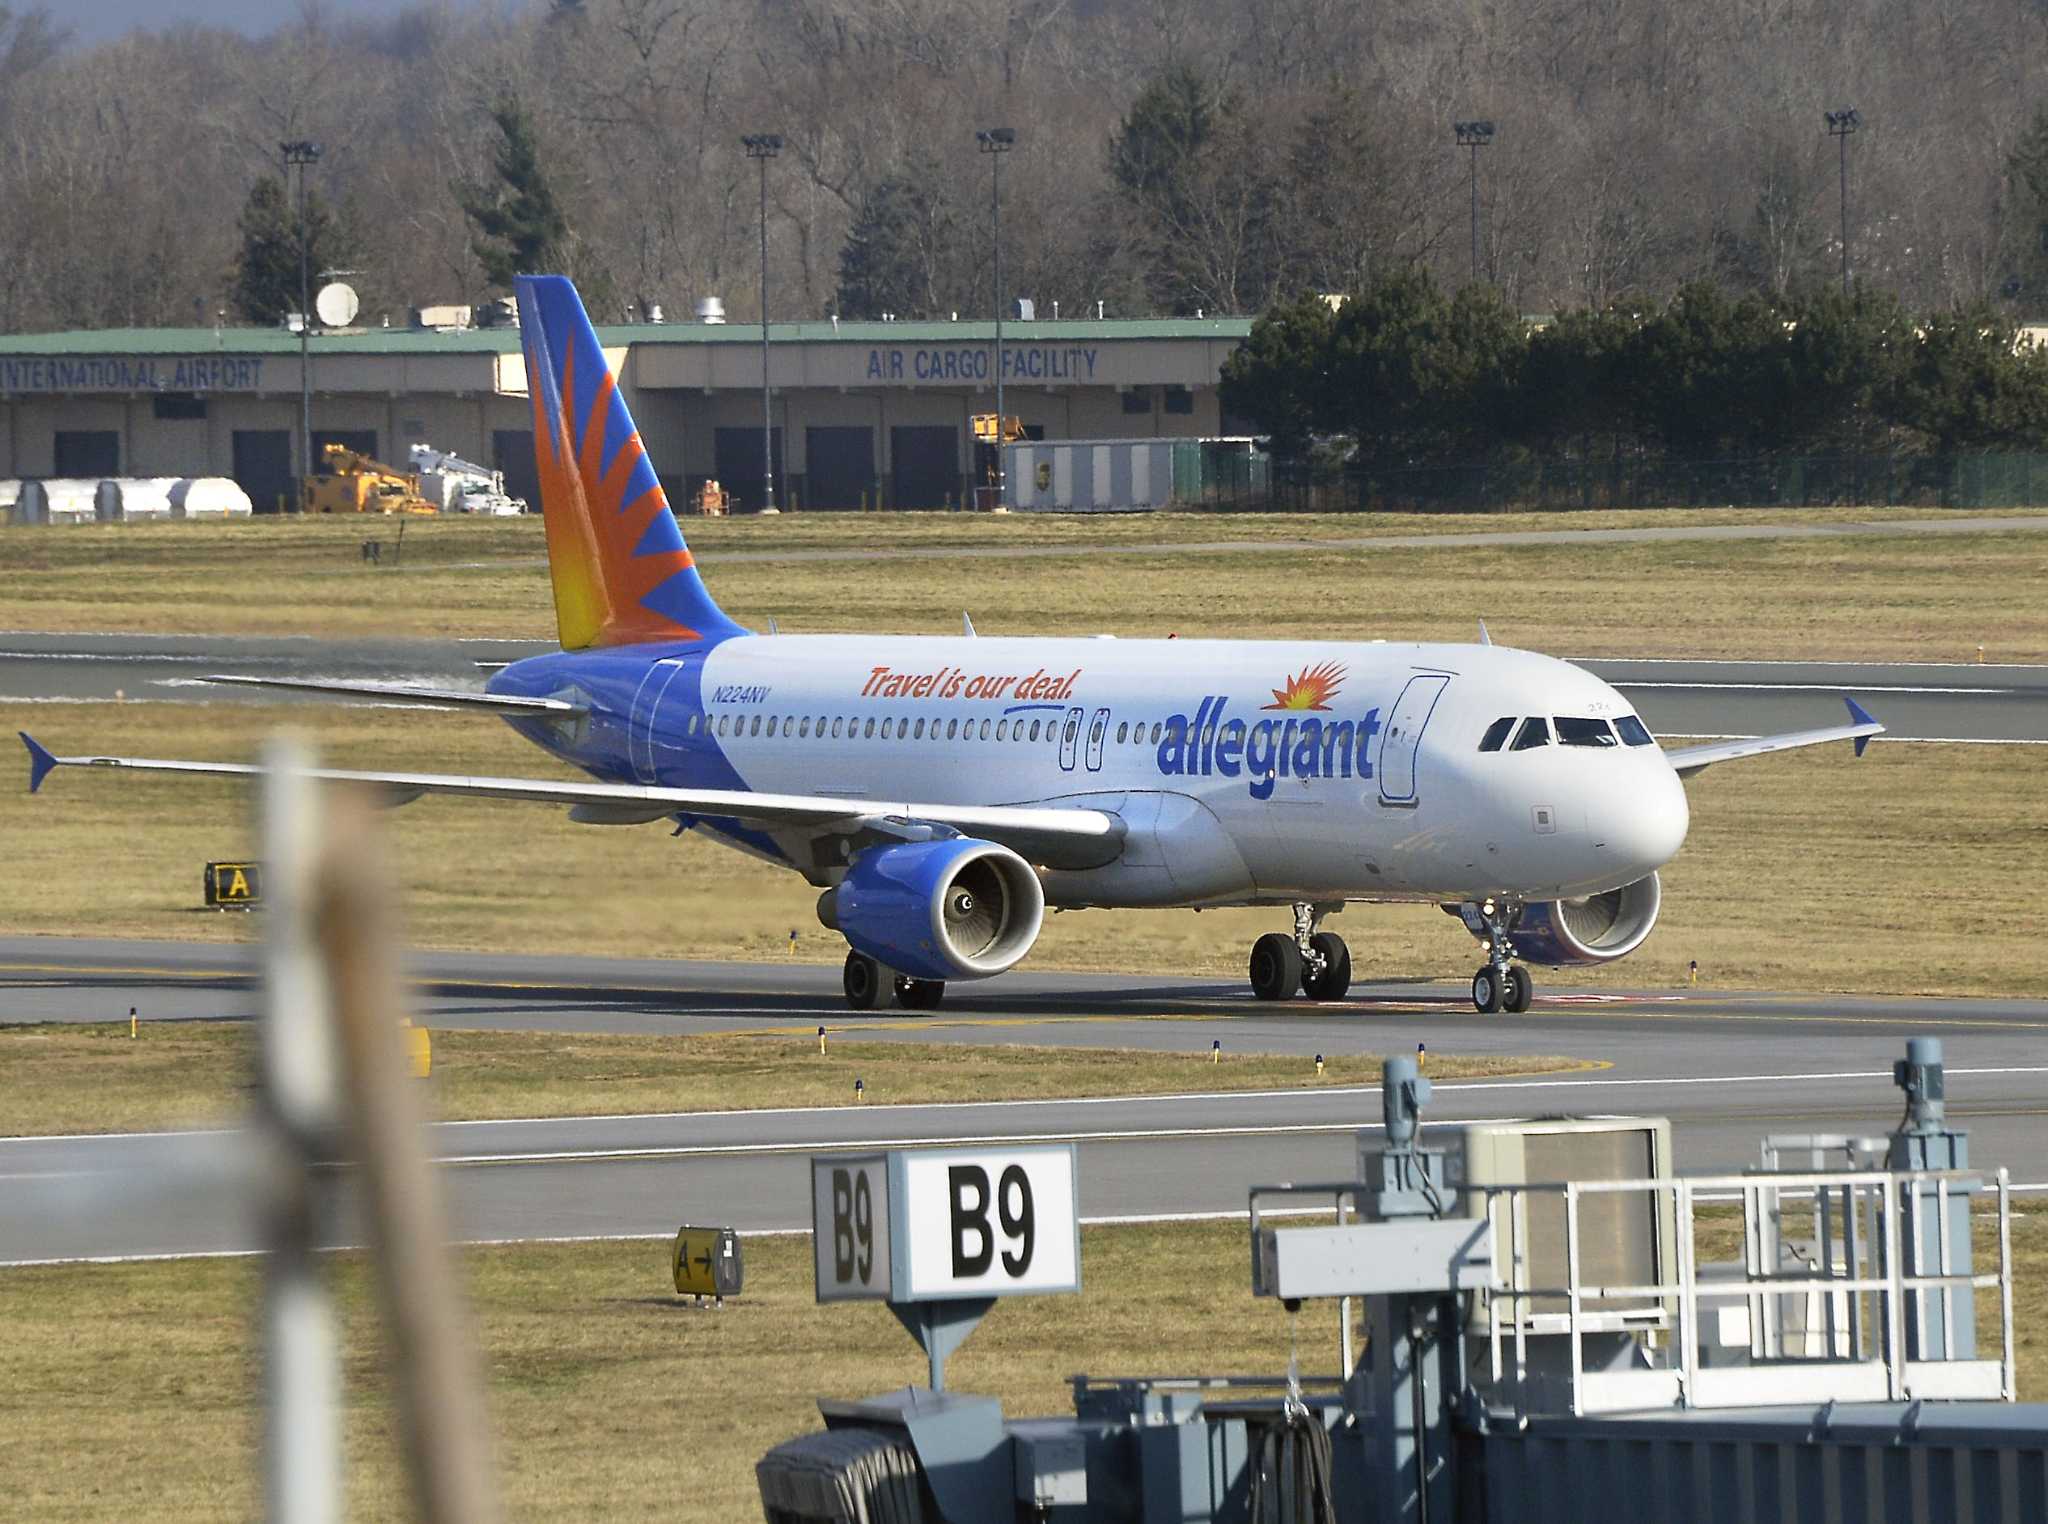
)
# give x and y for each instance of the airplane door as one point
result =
(1404, 734)
(1070, 738)
(640, 724)
(1097, 729)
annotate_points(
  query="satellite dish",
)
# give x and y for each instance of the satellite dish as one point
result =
(336, 304)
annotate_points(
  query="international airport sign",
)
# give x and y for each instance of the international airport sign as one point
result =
(931, 1225)
(56, 375)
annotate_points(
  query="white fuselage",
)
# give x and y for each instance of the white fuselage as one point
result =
(1245, 771)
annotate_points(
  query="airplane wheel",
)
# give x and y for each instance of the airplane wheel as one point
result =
(919, 994)
(1275, 967)
(862, 981)
(1521, 989)
(1334, 978)
(1487, 992)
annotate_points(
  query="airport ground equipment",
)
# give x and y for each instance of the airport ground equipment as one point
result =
(1543, 1341)
(707, 1262)
(455, 485)
(354, 483)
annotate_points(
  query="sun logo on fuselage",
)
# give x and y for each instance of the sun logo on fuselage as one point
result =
(1313, 689)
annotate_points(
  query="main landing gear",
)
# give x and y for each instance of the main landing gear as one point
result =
(1317, 963)
(1502, 984)
(869, 985)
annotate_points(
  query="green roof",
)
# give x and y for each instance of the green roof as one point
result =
(410, 341)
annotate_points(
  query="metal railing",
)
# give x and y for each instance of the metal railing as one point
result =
(1864, 1356)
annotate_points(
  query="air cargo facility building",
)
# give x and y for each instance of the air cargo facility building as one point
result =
(864, 414)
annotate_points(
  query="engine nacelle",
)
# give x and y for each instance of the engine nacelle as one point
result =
(950, 909)
(1596, 929)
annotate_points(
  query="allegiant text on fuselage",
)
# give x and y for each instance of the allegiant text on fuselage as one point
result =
(1267, 750)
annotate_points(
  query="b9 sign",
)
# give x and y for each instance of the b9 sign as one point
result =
(931, 1225)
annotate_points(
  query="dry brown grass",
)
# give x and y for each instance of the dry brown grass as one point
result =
(132, 1387)
(56, 1079)
(1910, 870)
(1857, 597)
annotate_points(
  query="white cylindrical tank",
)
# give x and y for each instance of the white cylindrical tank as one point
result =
(711, 310)
(209, 497)
(70, 499)
(146, 497)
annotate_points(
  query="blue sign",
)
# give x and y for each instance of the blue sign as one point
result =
(972, 363)
(142, 373)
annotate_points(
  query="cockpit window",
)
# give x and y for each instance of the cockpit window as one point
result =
(1496, 733)
(1583, 732)
(1535, 732)
(1633, 731)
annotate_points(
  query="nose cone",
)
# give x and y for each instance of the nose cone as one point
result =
(1644, 824)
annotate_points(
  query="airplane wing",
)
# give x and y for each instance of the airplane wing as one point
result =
(1861, 728)
(404, 693)
(1049, 834)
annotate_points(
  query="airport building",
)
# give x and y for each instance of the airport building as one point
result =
(864, 414)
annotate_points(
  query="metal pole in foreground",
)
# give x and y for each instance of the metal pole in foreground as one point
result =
(303, 152)
(995, 142)
(1840, 125)
(763, 146)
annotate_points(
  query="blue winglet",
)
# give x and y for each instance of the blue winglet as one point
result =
(1860, 716)
(39, 761)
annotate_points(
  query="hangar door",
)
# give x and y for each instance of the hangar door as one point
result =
(88, 452)
(839, 467)
(736, 462)
(926, 461)
(263, 467)
(512, 453)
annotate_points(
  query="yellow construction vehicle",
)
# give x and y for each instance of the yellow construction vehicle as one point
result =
(354, 483)
(985, 428)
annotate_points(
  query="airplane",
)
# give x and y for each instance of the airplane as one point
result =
(942, 791)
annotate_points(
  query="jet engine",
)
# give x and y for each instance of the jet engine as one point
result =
(956, 908)
(1596, 929)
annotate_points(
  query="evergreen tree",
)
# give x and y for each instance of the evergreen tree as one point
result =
(1279, 378)
(520, 227)
(896, 252)
(266, 274)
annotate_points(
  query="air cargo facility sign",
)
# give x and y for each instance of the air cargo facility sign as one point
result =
(915, 363)
(940, 1224)
(60, 374)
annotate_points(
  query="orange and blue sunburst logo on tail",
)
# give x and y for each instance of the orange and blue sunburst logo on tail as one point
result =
(622, 574)
(1313, 689)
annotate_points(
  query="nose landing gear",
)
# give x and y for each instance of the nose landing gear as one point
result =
(1317, 963)
(1502, 985)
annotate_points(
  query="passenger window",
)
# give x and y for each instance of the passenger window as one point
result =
(888, 728)
(1497, 733)
(1583, 732)
(721, 724)
(771, 725)
(984, 730)
(1123, 732)
(1632, 731)
(1535, 732)
(1034, 730)
(756, 730)
(836, 721)
(803, 729)
(1002, 729)
(1155, 732)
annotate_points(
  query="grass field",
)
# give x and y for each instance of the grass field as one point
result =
(1914, 874)
(1856, 597)
(131, 1387)
(95, 1078)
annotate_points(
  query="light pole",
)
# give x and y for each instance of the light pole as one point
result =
(1475, 136)
(303, 152)
(995, 142)
(1840, 125)
(763, 146)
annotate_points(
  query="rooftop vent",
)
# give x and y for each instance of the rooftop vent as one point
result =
(711, 310)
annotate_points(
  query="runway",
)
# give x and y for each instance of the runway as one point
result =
(1677, 698)
(1726, 1067)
